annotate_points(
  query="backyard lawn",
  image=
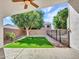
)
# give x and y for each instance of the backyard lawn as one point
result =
(31, 42)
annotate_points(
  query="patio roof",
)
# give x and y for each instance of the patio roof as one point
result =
(9, 8)
(75, 4)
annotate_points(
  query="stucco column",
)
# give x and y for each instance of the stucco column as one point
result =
(1, 26)
(74, 26)
(1, 32)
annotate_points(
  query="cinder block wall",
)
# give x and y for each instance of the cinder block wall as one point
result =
(38, 32)
(18, 32)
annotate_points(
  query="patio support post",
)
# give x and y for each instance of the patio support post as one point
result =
(56, 34)
(69, 37)
(60, 35)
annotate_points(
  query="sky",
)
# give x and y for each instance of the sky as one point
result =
(7, 20)
(50, 12)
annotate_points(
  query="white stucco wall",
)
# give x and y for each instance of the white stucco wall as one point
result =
(1, 28)
(74, 26)
(1, 33)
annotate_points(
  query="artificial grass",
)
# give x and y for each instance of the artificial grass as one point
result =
(30, 42)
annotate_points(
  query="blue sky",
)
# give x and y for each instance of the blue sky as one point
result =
(7, 20)
(50, 12)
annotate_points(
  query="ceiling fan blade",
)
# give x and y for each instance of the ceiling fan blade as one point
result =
(17, 0)
(31, 0)
(25, 6)
(35, 5)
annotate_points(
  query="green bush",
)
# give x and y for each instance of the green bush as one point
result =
(11, 35)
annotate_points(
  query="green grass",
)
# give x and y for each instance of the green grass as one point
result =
(30, 42)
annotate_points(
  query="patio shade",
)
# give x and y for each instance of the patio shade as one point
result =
(75, 4)
(10, 8)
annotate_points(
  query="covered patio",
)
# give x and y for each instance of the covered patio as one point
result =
(9, 8)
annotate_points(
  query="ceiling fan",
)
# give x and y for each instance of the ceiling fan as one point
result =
(26, 1)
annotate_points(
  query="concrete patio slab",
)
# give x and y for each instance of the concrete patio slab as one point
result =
(10, 53)
(55, 53)
(42, 53)
(2, 55)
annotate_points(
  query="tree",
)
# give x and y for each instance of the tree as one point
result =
(35, 19)
(60, 20)
(29, 20)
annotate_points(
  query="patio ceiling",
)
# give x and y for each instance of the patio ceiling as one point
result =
(10, 8)
(75, 4)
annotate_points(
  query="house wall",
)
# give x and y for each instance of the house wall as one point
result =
(74, 26)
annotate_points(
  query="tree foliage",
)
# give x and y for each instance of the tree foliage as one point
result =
(60, 20)
(31, 20)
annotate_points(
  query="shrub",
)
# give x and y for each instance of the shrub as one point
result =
(11, 35)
